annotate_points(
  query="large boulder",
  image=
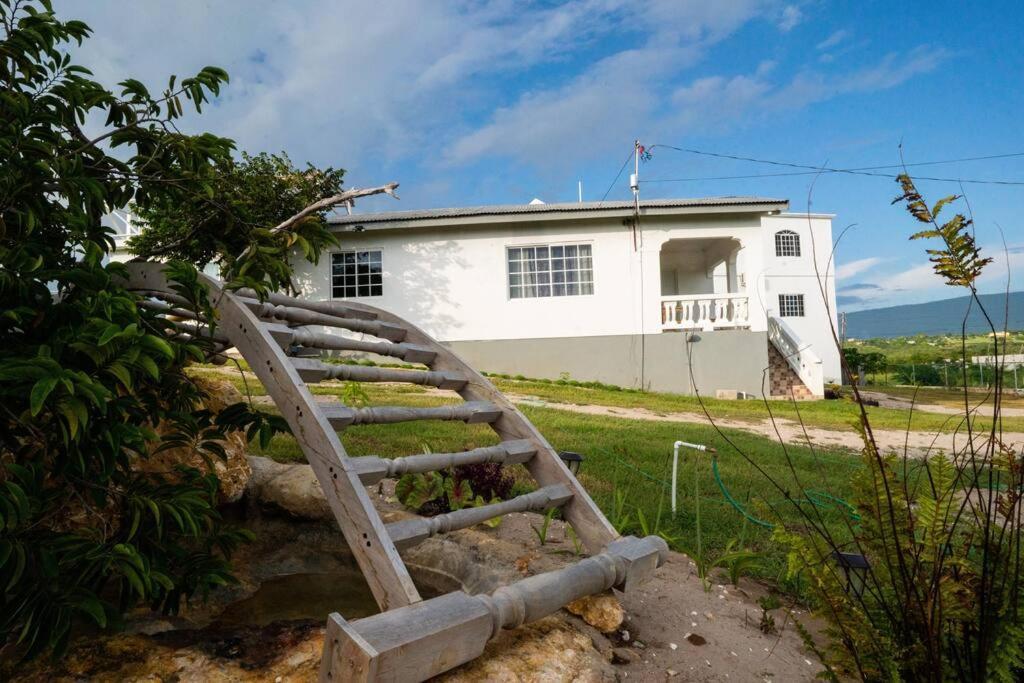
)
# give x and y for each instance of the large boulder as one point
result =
(293, 489)
(233, 470)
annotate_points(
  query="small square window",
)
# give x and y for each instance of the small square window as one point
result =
(791, 305)
(357, 273)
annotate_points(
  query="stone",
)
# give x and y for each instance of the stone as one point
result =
(695, 639)
(546, 650)
(293, 489)
(232, 471)
(624, 655)
(604, 611)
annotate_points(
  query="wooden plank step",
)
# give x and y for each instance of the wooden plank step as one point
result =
(471, 412)
(302, 316)
(409, 532)
(326, 307)
(288, 336)
(315, 370)
(404, 644)
(372, 469)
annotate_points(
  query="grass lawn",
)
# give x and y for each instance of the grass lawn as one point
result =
(627, 469)
(840, 414)
(953, 398)
(830, 414)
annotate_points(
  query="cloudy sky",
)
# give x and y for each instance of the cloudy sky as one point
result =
(501, 101)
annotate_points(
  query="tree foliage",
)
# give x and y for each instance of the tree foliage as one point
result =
(86, 374)
(250, 196)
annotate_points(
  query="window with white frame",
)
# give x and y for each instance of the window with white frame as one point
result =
(787, 243)
(356, 273)
(791, 305)
(550, 270)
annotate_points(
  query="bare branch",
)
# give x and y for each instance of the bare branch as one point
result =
(341, 198)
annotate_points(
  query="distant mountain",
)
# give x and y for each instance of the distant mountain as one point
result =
(936, 317)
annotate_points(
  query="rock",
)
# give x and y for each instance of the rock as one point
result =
(695, 639)
(546, 650)
(232, 471)
(624, 655)
(291, 488)
(604, 611)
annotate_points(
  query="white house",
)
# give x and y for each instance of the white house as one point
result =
(684, 295)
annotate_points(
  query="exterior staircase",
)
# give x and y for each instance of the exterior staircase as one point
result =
(411, 639)
(794, 370)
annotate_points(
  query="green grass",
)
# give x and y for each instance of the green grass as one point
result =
(936, 348)
(838, 414)
(633, 458)
(953, 398)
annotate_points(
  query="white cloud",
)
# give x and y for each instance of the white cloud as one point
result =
(834, 39)
(848, 270)
(791, 16)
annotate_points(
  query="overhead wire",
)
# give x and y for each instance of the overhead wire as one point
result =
(617, 175)
(807, 169)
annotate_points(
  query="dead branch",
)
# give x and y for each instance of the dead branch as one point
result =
(341, 198)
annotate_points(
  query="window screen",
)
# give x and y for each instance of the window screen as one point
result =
(550, 270)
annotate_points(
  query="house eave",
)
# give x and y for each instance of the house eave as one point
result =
(489, 216)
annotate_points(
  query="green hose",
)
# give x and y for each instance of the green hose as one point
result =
(816, 498)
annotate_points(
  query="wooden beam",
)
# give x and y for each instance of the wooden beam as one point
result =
(315, 370)
(286, 336)
(410, 532)
(372, 469)
(472, 412)
(421, 641)
(302, 316)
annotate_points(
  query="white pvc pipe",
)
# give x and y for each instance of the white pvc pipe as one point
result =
(675, 465)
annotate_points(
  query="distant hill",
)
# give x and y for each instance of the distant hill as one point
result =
(935, 317)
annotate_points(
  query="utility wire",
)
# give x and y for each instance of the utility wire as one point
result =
(809, 170)
(617, 175)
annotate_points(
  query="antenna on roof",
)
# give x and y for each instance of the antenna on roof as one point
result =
(579, 190)
(634, 179)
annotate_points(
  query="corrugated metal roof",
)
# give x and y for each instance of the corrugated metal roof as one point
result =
(569, 207)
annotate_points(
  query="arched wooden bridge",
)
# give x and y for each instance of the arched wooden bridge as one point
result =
(411, 639)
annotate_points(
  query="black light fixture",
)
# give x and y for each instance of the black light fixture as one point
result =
(572, 461)
(855, 567)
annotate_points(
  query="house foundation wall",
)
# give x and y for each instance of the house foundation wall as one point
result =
(732, 360)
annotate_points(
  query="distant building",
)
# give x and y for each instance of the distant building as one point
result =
(697, 293)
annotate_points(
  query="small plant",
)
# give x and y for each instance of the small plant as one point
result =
(577, 546)
(767, 603)
(353, 394)
(542, 532)
(621, 518)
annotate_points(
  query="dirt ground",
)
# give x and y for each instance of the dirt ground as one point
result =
(676, 629)
(916, 443)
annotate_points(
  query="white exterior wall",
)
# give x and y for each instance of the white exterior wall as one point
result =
(452, 281)
(807, 274)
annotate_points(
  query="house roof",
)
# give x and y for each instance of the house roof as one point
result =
(568, 210)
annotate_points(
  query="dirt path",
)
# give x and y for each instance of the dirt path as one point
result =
(901, 403)
(917, 443)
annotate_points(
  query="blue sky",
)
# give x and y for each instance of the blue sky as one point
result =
(468, 103)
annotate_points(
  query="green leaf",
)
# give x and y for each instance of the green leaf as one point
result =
(40, 391)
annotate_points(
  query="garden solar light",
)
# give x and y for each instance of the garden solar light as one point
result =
(855, 568)
(572, 461)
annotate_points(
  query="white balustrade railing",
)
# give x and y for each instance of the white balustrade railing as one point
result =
(705, 311)
(805, 363)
